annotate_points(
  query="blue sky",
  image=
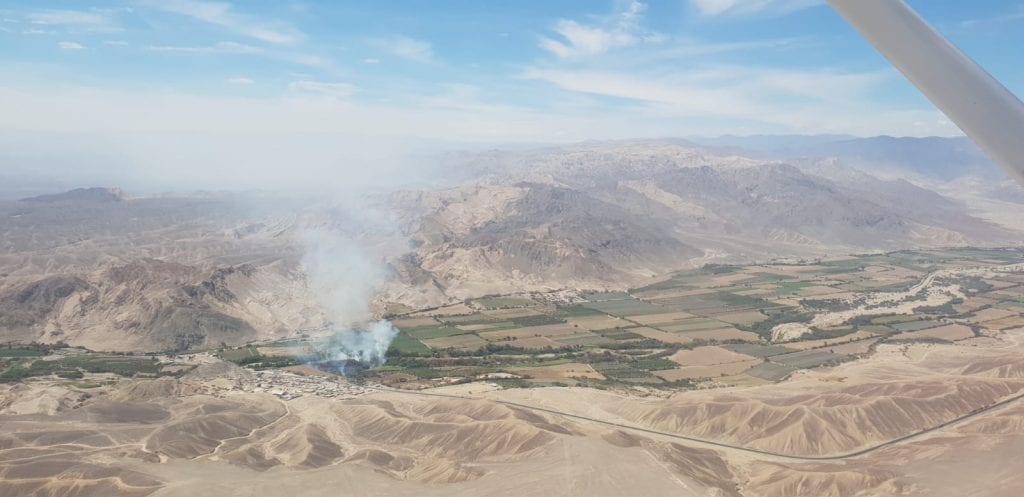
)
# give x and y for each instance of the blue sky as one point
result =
(121, 76)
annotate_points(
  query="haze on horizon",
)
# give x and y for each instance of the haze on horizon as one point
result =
(461, 248)
(190, 94)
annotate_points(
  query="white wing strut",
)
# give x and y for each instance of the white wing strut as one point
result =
(982, 107)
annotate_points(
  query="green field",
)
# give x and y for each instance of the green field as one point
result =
(404, 344)
(503, 302)
(617, 334)
(543, 337)
(809, 358)
(655, 364)
(770, 371)
(714, 303)
(793, 286)
(756, 350)
(476, 318)
(895, 318)
(22, 352)
(589, 340)
(538, 320)
(574, 310)
(90, 363)
(625, 356)
(625, 308)
(916, 325)
(621, 371)
(427, 332)
(691, 325)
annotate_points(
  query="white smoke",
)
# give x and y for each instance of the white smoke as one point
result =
(368, 344)
(345, 279)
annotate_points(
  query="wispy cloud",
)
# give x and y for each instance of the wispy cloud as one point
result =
(579, 40)
(335, 90)
(1014, 15)
(68, 17)
(797, 100)
(406, 48)
(70, 45)
(224, 15)
(619, 63)
(234, 48)
(239, 81)
(303, 59)
(221, 138)
(224, 47)
(92, 20)
(711, 8)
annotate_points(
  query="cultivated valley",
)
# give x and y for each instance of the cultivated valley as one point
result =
(627, 327)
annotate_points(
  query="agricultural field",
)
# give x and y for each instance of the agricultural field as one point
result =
(22, 352)
(23, 363)
(567, 371)
(465, 342)
(770, 371)
(949, 332)
(710, 326)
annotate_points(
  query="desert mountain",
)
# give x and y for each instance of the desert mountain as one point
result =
(613, 214)
(932, 157)
(100, 268)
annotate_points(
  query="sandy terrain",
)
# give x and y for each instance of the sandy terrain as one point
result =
(1014, 321)
(560, 372)
(858, 347)
(908, 420)
(832, 342)
(707, 356)
(285, 351)
(786, 332)
(451, 310)
(662, 336)
(549, 330)
(951, 332)
(461, 342)
(668, 317)
(475, 327)
(510, 313)
(721, 335)
(601, 322)
(742, 318)
(712, 372)
(414, 322)
(673, 292)
(990, 314)
(903, 302)
(534, 342)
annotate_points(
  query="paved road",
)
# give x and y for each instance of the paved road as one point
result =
(713, 443)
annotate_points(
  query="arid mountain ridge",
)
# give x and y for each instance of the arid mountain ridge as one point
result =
(100, 268)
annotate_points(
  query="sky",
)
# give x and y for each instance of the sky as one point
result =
(193, 92)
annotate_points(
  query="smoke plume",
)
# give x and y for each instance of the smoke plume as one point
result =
(345, 279)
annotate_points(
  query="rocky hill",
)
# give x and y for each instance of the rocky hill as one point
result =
(96, 267)
(606, 215)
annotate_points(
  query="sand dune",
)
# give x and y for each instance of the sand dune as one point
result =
(198, 436)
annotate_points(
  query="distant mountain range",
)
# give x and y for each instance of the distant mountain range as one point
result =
(933, 157)
(99, 268)
(611, 214)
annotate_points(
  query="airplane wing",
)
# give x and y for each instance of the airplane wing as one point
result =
(983, 108)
